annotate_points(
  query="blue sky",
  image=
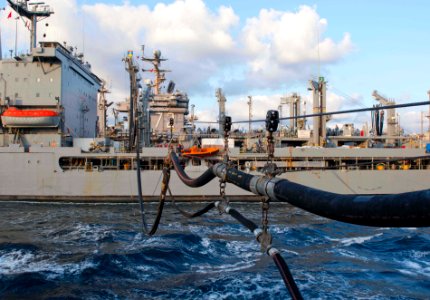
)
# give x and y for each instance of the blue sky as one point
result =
(262, 48)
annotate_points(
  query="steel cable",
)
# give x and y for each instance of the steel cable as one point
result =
(403, 105)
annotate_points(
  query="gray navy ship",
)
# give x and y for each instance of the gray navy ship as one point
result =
(55, 144)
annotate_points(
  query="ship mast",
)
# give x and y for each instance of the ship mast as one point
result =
(428, 92)
(132, 70)
(159, 73)
(221, 107)
(35, 12)
(103, 105)
(318, 89)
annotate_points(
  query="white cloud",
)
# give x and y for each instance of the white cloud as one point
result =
(204, 46)
(284, 46)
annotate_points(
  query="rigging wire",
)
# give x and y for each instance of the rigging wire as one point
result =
(403, 105)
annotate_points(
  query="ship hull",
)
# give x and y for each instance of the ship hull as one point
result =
(38, 176)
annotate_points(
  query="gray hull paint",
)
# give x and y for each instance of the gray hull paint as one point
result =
(38, 176)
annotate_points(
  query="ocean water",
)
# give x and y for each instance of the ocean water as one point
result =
(97, 251)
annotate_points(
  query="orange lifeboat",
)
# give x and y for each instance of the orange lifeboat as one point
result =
(14, 117)
(195, 151)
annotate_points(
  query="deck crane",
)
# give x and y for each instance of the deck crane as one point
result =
(319, 97)
(428, 92)
(391, 116)
(294, 101)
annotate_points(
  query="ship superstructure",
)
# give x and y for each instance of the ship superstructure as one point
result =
(52, 77)
(166, 109)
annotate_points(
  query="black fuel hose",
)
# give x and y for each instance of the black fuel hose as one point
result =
(410, 209)
(139, 183)
(286, 275)
(397, 210)
(165, 184)
(207, 176)
(188, 214)
(242, 220)
(271, 251)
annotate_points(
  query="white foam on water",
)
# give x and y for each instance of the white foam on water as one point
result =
(140, 242)
(81, 231)
(91, 232)
(413, 268)
(144, 272)
(279, 229)
(289, 251)
(208, 246)
(251, 287)
(225, 268)
(355, 240)
(349, 254)
(420, 254)
(21, 261)
(15, 260)
(223, 230)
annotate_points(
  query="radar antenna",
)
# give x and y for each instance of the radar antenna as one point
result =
(35, 12)
(160, 76)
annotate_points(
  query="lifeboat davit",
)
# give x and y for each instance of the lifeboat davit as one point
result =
(14, 117)
(195, 151)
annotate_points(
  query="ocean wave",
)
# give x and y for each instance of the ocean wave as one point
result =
(22, 261)
(415, 268)
(354, 240)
